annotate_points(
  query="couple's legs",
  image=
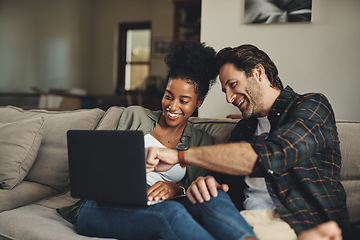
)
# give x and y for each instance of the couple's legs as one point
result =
(220, 217)
(167, 220)
(268, 225)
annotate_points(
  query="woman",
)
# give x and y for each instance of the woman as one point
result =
(191, 74)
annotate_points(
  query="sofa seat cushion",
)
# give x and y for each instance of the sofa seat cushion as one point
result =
(23, 194)
(51, 165)
(19, 145)
(39, 221)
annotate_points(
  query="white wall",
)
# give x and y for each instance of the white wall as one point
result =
(321, 56)
(162, 16)
(71, 43)
(107, 16)
(43, 44)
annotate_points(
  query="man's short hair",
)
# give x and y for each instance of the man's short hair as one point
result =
(245, 58)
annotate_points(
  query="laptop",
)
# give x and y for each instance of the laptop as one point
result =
(108, 166)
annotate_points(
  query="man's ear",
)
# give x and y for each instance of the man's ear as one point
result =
(200, 102)
(259, 71)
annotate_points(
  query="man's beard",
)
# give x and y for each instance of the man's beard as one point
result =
(254, 104)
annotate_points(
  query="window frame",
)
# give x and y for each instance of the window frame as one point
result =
(123, 29)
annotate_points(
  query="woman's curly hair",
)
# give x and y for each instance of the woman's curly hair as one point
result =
(195, 62)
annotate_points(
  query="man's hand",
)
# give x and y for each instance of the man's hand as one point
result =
(201, 189)
(163, 190)
(160, 159)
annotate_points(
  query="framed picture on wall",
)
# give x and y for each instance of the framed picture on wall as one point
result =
(277, 11)
(161, 47)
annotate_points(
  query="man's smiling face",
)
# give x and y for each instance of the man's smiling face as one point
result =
(241, 91)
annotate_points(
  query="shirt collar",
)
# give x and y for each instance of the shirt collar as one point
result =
(279, 107)
(155, 115)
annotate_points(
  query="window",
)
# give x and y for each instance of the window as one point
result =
(134, 55)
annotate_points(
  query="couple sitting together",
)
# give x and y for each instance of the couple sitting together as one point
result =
(284, 153)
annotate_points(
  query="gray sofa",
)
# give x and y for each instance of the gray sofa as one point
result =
(36, 182)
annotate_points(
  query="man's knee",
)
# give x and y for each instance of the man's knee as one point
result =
(223, 194)
(219, 202)
(221, 198)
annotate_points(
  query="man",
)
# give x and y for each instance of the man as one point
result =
(287, 144)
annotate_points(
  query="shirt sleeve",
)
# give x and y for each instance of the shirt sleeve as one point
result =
(135, 118)
(127, 119)
(307, 131)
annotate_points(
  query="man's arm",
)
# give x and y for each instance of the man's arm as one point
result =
(231, 158)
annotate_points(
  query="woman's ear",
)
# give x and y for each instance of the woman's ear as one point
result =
(200, 102)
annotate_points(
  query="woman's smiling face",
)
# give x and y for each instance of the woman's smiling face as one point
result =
(179, 102)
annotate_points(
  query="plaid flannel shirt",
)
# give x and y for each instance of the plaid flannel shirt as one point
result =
(300, 159)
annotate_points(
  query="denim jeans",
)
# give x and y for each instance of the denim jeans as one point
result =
(215, 219)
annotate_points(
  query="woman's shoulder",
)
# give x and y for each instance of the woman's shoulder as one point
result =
(136, 110)
(139, 112)
(136, 117)
(198, 136)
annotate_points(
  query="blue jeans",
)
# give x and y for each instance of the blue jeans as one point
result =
(215, 219)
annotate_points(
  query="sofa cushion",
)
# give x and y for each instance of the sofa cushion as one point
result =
(39, 221)
(51, 165)
(24, 193)
(19, 145)
(110, 117)
(349, 136)
(219, 129)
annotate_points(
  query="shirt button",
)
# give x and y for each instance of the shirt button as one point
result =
(278, 114)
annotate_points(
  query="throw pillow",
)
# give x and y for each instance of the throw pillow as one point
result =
(19, 144)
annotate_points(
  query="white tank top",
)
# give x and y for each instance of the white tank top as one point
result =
(175, 174)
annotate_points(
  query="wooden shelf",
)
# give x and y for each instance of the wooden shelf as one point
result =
(187, 20)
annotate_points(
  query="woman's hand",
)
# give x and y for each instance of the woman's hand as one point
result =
(163, 190)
